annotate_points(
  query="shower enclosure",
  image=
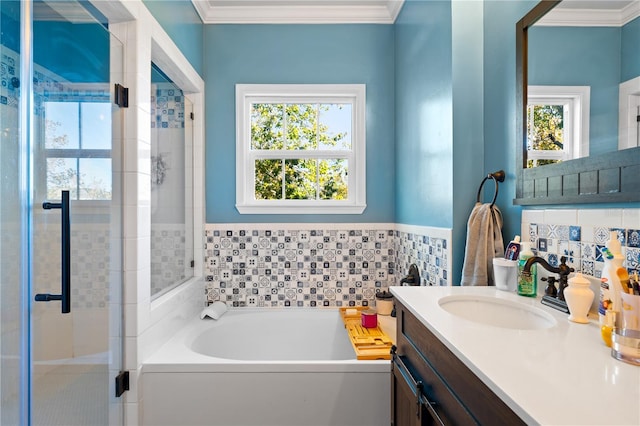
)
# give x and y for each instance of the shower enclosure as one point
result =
(60, 215)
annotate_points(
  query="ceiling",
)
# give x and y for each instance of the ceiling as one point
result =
(570, 12)
(298, 11)
(592, 13)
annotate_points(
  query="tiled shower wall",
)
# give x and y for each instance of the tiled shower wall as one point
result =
(581, 235)
(319, 265)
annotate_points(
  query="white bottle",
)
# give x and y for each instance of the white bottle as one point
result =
(610, 286)
(579, 298)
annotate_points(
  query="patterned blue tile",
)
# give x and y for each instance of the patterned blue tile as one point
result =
(600, 235)
(633, 238)
(588, 267)
(553, 260)
(542, 244)
(633, 259)
(622, 235)
(311, 268)
(599, 255)
(588, 251)
(562, 232)
(574, 233)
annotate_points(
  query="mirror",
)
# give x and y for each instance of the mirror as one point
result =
(585, 78)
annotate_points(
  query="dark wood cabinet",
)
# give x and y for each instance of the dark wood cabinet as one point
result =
(431, 386)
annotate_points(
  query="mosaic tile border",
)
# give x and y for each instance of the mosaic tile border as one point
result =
(316, 265)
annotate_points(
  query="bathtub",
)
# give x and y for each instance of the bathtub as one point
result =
(264, 367)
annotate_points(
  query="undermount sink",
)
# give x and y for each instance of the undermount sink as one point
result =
(497, 312)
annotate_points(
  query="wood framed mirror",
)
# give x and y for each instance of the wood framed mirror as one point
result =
(610, 177)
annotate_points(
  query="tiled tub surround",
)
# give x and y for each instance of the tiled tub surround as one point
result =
(168, 248)
(318, 265)
(581, 235)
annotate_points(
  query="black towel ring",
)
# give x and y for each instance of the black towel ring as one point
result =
(497, 177)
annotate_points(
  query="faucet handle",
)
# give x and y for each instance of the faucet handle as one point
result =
(551, 285)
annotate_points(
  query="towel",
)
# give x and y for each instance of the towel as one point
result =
(484, 242)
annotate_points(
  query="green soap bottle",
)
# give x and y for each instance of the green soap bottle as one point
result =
(527, 284)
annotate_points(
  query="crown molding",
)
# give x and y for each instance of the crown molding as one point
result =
(591, 17)
(345, 12)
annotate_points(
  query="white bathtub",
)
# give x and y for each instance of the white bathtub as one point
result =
(264, 367)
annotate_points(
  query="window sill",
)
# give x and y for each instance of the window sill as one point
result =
(253, 209)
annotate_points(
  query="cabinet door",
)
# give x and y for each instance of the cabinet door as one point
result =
(409, 406)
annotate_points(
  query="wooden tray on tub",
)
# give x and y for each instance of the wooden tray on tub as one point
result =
(368, 343)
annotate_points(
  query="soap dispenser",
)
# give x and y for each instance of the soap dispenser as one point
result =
(579, 298)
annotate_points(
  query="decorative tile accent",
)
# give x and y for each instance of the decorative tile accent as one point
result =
(574, 233)
(583, 245)
(633, 238)
(542, 244)
(167, 107)
(622, 235)
(168, 253)
(601, 235)
(315, 268)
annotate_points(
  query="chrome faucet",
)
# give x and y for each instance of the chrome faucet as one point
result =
(563, 270)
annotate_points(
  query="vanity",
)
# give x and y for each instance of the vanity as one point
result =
(527, 364)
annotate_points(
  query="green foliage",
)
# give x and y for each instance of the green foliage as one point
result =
(545, 130)
(62, 173)
(296, 178)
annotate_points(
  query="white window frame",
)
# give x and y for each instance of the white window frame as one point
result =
(577, 100)
(248, 94)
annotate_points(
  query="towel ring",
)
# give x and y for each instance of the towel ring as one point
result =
(497, 177)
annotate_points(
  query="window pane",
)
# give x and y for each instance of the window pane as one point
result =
(96, 125)
(61, 175)
(333, 179)
(61, 125)
(545, 129)
(334, 125)
(95, 179)
(301, 179)
(302, 126)
(268, 179)
(267, 126)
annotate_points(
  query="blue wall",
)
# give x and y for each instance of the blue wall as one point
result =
(424, 126)
(630, 50)
(181, 21)
(582, 56)
(500, 107)
(254, 54)
(76, 52)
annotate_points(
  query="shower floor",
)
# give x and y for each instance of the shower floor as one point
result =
(70, 395)
(66, 394)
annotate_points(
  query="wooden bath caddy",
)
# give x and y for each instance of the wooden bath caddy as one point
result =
(368, 343)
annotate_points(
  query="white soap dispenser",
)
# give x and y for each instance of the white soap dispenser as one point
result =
(579, 298)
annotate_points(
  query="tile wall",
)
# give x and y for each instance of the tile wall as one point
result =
(318, 265)
(581, 234)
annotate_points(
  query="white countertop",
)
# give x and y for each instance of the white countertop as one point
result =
(563, 375)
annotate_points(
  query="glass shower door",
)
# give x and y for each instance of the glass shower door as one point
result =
(75, 355)
(60, 212)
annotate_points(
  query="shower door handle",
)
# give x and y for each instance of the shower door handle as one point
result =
(65, 296)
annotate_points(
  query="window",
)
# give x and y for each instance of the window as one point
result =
(300, 149)
(77, 149)
(557, 124)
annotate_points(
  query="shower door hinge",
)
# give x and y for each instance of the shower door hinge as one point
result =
(122, 383)
(191, 115)
(121, 96)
